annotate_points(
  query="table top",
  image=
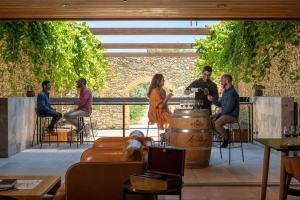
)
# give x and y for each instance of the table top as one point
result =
(130, 188)
(280, 144)
(48, 182)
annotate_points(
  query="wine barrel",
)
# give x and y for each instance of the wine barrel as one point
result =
(191, 130)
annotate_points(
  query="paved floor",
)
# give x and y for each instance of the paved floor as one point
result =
(219, 181)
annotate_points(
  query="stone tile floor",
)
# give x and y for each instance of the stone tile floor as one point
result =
(219, 181)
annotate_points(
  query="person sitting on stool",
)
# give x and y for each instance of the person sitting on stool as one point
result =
(84, 105)
(229, 102)
(44, 108)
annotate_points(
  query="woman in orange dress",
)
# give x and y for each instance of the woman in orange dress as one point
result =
(158, 103)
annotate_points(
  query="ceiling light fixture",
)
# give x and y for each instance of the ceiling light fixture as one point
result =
(221, 5)
(66, 5)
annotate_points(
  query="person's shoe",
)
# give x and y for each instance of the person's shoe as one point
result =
(225, 143)
(79, 129)
(51, 131)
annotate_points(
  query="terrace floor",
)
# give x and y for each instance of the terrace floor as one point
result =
(240, 180)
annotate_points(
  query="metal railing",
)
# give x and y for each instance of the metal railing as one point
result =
(125, 101)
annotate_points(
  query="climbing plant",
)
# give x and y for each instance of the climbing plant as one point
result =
(138, 111)
(246, 49)
(58, 51)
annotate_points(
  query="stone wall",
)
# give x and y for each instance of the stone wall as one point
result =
(274, 84)
(130, 72)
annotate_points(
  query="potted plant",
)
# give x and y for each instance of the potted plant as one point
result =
(30, 90)
(258, 89)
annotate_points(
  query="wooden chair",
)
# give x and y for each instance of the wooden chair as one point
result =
(292, 170)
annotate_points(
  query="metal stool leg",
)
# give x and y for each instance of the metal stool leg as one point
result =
(43, 131)
(147, 129)
(35, 132)
(229, 143)
(92, 128)
(241, 141)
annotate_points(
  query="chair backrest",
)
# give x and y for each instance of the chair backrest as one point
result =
(295, 166)
(108, 154)
(115, 141)
(7, 198)
(96, 181)
(102, 154)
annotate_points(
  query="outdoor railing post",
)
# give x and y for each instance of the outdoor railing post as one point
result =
(123, 108)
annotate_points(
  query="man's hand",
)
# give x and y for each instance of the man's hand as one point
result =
(210, 98)
(170, 94)
(187, 92)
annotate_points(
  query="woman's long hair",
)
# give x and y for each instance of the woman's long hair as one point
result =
(155, 83)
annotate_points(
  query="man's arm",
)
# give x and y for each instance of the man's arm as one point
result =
(83, 100)
(230, 104)
(214, 91)
(41, 102)
(187, 90)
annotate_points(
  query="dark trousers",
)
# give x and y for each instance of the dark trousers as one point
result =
(55, 117)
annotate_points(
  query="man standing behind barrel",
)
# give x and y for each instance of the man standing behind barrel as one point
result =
(203, 87)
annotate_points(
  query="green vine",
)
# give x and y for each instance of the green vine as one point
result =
(246, 49)
(58, 51)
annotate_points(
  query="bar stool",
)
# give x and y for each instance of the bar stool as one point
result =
(83, 124)
(230, 140)
(83, 131)
(41, 123)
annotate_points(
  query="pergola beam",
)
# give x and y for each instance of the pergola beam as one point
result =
(148, 45)
(183, 54)
(150, 31)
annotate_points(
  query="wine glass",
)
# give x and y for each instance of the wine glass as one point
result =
(181, 104)
(286, 133)
(293, 133)
(297, 132)
(186, 104)
(201, 103)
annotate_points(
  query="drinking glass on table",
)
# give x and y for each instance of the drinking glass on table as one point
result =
(297, 133)
(286, 134)
(293, 133)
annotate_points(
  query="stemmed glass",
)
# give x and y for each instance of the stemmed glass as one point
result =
(286, 133)
(297, 132)
(186, 105)
(182, 104)
(294, 133)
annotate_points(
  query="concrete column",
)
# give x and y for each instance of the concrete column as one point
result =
(17, 122)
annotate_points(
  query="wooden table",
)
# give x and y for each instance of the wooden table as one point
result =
(49, 185)
(279, 145)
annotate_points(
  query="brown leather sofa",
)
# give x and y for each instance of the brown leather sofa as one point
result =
(100, 175)
(116, 141)
(99, 181)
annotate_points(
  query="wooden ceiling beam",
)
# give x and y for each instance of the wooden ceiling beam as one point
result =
(150, 31)
(148, 45)
(149, 9)
(183, 54)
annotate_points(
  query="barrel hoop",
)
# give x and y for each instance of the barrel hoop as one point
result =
(188, 111)
(189, 117)
(196, 162)
(197, 148)
(192, 130)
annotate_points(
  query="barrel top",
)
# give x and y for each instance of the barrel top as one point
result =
(191, 111)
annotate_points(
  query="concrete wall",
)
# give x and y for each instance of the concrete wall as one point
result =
(271, 114)
(17, 123)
